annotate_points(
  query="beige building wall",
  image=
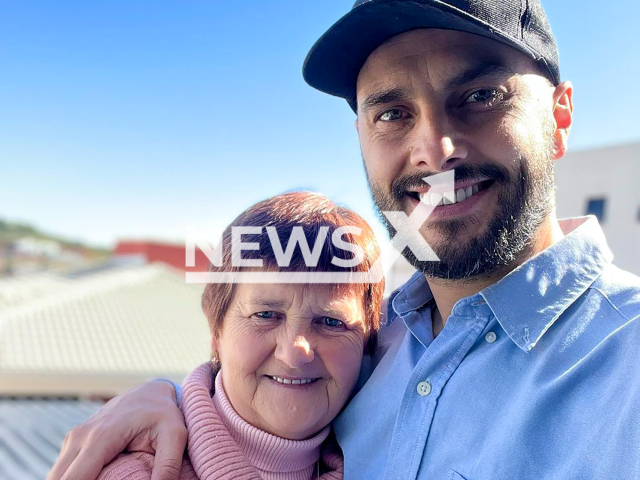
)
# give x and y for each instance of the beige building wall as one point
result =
(612, 174)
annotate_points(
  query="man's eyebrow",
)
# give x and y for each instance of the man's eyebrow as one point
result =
(384, 97)
(484, 69)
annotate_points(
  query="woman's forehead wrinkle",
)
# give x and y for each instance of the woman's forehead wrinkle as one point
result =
(274, 295)
(297, 297)
(304, 297)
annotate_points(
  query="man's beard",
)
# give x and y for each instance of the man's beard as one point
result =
(525, 200)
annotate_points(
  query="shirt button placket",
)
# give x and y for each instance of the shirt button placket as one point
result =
(424, 388)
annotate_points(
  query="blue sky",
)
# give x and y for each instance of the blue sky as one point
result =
(137, 119)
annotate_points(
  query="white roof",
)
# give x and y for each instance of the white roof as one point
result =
(102, 333)
(27, 288)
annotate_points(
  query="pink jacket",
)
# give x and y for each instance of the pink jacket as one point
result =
(213, 452)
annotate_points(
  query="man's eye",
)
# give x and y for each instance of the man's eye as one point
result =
(484, 95)
(332, 322)
(391, 115)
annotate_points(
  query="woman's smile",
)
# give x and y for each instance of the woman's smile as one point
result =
(293, 381)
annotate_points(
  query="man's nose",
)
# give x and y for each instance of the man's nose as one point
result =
(435, 145)
(294, 352)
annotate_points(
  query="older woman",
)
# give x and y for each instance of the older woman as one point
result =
(286, 357)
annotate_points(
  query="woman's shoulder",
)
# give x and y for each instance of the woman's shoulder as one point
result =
(138, 466)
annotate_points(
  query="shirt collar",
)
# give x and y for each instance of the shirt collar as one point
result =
(528, 300)
(414, 294)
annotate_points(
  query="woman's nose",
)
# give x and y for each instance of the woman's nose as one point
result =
(294, 352)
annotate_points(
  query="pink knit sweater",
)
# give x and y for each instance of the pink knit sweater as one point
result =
(222, 446)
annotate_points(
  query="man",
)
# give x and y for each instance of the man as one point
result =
(515, 356)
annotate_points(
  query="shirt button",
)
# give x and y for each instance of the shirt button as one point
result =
(424, 388)
(490, 337)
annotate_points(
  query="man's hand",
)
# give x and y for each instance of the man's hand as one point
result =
(144, 419)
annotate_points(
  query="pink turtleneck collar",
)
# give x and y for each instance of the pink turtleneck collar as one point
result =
(275, 457)
(222, 446)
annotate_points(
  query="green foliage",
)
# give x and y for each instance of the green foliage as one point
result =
(10, 232)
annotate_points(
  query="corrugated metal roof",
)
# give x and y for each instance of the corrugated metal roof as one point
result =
(32, 431)
(101, 334)
(23, 289)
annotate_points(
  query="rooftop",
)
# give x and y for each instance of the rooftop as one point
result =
(32, 431)
(101, 333)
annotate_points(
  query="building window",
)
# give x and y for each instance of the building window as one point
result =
(596, 206)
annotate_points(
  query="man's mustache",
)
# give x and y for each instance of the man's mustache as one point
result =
(464, 172)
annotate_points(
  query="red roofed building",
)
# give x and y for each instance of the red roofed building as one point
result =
(170, 254)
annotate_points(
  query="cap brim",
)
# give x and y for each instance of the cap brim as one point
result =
(333, 63)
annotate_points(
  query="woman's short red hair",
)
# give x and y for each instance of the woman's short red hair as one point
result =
(310, 212)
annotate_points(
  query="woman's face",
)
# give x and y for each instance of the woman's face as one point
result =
(290, 355)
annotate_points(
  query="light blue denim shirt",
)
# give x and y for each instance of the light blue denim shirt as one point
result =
(535, 377)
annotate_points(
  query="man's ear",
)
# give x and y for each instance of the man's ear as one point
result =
(355, 124)
(563, 116)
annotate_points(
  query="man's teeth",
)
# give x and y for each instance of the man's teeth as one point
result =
(299, 381)
(449, 198)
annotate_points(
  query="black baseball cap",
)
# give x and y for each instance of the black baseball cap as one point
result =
(333, 63)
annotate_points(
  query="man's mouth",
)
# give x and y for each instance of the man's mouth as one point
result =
(450, 198)
(293, 381)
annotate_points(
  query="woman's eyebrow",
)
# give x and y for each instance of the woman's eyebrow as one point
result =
(264, 302)
(331, 311)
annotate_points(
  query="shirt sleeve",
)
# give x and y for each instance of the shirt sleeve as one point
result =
(177, 388)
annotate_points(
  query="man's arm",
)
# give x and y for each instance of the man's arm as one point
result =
(144, 419)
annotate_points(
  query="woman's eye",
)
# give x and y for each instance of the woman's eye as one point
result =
(332, 322)
(484, 95)
(265, 315)
(391, 115)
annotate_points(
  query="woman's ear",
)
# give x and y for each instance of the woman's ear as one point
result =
(563, 116)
